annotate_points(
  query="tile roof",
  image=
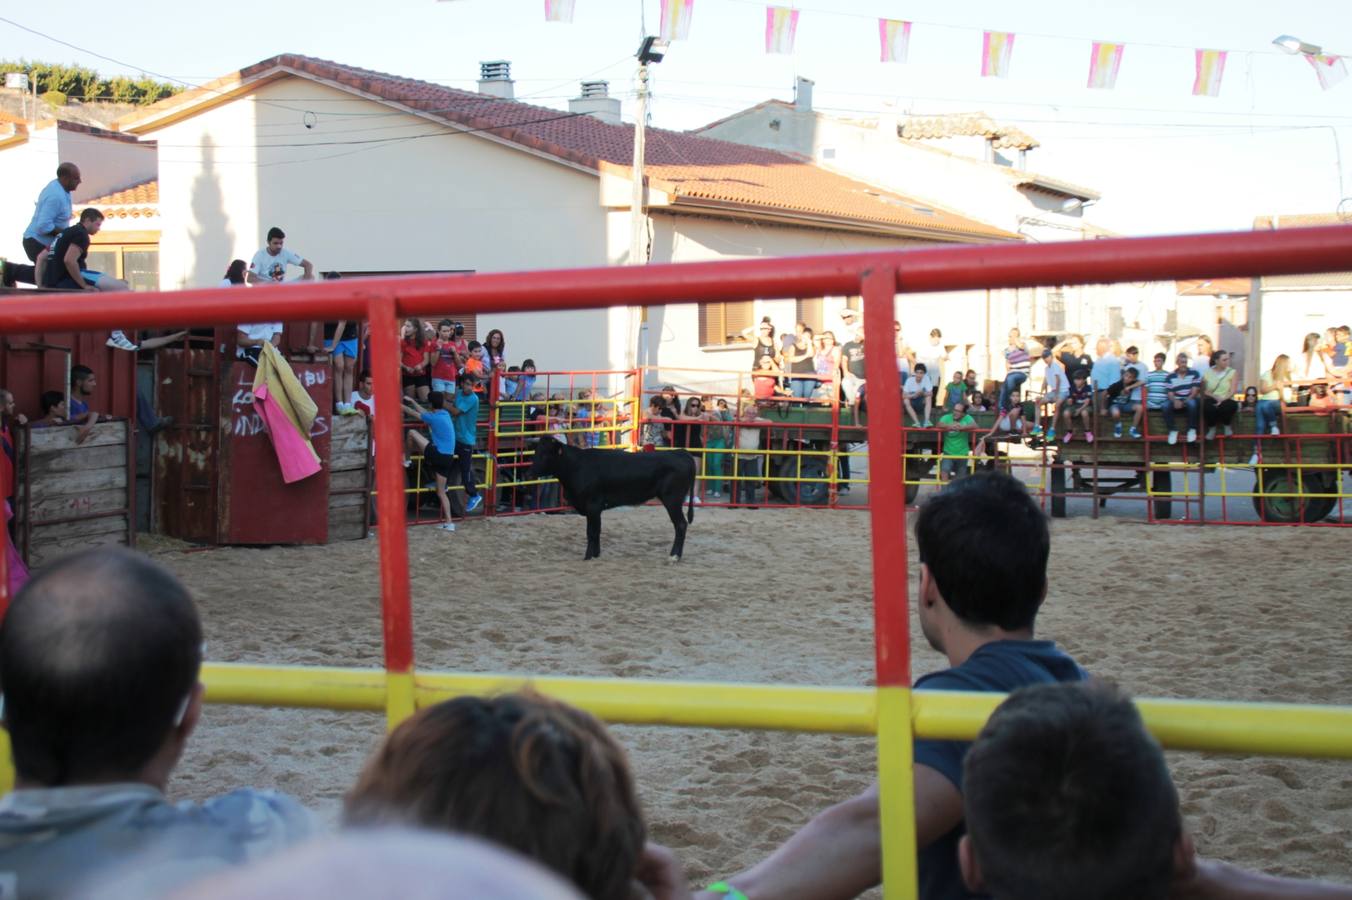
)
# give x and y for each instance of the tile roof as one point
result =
(978, 124)
(138, 201)
(691, 169)
(1306, 220)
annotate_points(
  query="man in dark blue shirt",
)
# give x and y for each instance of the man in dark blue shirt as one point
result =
(981, 618)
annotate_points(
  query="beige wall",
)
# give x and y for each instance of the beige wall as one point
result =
(1288, 315)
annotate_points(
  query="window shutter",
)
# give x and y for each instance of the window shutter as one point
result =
(809, 312)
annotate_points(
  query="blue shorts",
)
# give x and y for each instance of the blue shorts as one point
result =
(346, 348)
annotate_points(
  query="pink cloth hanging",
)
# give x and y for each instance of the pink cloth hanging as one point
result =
(293, 450)
(14, 564)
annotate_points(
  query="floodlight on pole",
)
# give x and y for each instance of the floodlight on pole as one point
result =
(1293, 45)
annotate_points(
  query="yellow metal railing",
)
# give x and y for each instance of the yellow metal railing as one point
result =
(1274, 729)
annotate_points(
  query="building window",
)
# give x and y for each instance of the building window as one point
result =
(721, 324)
(809, 312)
(136, 264)
(1116, 323)
(1056, 312)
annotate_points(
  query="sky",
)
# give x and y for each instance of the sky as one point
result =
(1164, 160)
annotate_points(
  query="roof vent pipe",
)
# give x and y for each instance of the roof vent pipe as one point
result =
(495, 79)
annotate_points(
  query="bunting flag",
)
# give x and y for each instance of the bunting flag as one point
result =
(676, 19)
(896, 39)
(781, 23)
(1328, 69)
(1210, 69)
(558, 10)
(996, 49)
(1104, 62)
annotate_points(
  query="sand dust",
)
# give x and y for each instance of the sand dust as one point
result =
(783, 596)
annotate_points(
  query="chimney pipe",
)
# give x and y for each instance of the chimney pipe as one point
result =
(596, 102)
(802, 94)
(495, 79)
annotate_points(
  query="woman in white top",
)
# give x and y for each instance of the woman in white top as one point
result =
(1309, 365)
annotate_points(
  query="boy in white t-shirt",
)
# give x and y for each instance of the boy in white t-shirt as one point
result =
(269, 264)
(918, 396)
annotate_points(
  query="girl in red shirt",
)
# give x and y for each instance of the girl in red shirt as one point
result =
(415, 359)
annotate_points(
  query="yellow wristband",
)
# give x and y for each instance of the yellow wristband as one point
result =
(722, 887)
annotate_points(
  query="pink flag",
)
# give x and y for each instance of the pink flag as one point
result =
(1328, 69)
(781, 24)
(997, 47)
(1210, 70)
(558, 10)
(896, 39)
(676, 19)
(1104, 62)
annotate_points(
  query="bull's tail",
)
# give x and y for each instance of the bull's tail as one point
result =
(690, 512)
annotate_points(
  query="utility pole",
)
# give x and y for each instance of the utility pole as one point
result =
(638, 236)
(650, 51)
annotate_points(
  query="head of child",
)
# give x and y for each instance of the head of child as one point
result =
(767, 362)
(1128, 376)
(1342, 334)
(959, 378)
(519, 770)
(920, 371)
(53, 404)
(993, 511)
(464, 383)
(1079, 377)
(1251, 395)
(436, 400)
(975, 399)
(528, 366)
(476, 350)
(655, 404)
(366, 385)
(446, 330)
(1160, 360)
(1066, 795)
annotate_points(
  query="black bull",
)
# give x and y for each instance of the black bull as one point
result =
(597, 480)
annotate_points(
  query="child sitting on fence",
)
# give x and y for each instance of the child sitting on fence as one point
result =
(1079, 403)
(654, 430)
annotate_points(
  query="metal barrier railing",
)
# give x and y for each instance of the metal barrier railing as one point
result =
(895, 715)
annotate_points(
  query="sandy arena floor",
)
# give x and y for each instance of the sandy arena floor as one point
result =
(781, 597)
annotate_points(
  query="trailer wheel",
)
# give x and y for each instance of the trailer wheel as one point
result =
(810, 487)
(1162, 482)
(1058, 479)
(1289, 509)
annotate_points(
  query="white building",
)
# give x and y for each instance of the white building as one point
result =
(371, 173)
(973, 166)
(109, 162)
(1283, 309)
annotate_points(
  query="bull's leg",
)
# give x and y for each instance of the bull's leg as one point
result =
(593, 535)
(673, 505)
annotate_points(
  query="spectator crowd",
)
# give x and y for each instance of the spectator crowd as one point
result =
(1064, 794)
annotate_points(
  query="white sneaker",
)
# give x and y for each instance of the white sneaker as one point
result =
(1173, 438)
(1229, 431)
(1273, 430)
(1192, 435)
(447, 526)
(1210, 433)
(1253, 460)
(119, 340)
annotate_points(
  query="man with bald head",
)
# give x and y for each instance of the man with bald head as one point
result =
(99, 661)
(51, 216)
